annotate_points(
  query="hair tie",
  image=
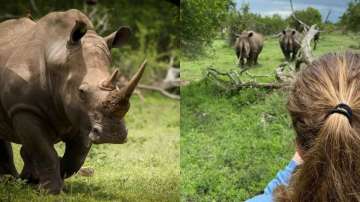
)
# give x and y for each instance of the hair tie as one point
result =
(343, 109)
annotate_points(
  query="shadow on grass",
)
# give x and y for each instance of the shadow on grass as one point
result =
(97, 192)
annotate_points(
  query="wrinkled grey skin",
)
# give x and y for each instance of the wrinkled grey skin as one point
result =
(248, 46)
(289, 43)
(55, 86)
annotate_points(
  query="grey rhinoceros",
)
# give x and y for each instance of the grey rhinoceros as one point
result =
(55, 86)
(290, 43)
(248, 46)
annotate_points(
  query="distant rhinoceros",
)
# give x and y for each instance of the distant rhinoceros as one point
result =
(290, 43)
(55, 86)
(248, 45)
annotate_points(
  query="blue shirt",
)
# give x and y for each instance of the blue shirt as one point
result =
(282, 178)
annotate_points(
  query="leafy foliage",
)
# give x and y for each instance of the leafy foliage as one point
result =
(200, 22)
(239, 21)
(154, 23)
(309, 16)
(351, 18)
(161, 17)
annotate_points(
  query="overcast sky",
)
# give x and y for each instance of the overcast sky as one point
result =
(282, 7)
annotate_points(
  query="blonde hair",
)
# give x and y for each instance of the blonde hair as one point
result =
(330, 141)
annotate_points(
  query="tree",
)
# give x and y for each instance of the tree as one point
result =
(200, 22)
(160, 18)
(241, 20)
(351, 18)
(309, 16)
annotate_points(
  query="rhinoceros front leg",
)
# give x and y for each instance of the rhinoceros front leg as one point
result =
(34, 135)
(29, 172)
(76, 151)
(7, 165)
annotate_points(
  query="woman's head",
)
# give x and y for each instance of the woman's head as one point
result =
(327, 133)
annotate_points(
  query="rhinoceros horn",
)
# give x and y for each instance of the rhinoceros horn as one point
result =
(110, 83)
(118, 100)
(130, 87)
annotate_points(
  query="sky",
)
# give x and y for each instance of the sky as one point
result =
(282, 7)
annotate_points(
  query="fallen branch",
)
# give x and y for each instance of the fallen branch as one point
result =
(161, 90)
(232, 80)
(254, 76)
(269, 86)
(283, 76)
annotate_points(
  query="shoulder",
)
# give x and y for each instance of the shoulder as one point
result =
(261, 198)
(13, 27)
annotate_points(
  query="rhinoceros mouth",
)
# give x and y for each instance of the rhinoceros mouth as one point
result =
(98, 138)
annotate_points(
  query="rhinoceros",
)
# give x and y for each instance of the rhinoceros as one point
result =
(55, 86)
(248, 45)
(289, 43)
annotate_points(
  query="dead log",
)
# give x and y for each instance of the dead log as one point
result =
(305, 54)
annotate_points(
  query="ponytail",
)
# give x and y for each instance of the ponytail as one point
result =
(327, 131)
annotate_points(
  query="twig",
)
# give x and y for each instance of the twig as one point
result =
(254, 76)
(259, 85)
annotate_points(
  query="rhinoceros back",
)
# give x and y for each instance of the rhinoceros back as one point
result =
(10, 32)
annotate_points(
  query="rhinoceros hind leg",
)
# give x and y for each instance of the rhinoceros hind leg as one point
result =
(7, 165)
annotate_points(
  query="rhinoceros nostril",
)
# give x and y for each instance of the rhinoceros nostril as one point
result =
(96, 131)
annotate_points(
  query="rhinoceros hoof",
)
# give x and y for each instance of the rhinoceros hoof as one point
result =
(51, 187)
(29, 177)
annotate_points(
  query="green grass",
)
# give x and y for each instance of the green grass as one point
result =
(232, 145)
(222, 56)
(146, 168)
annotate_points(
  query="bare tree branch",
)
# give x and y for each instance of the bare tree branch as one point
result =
(305, 26)
(327, 16)
(305, 54)
(162, 91)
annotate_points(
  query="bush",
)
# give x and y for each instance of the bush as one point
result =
(238, 21)
(200, 22)
(309, 16)
(351, 18)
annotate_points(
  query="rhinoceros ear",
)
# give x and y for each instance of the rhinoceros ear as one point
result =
(293, 32)
(118, 38)
(284, 32)
(250, 34)
(78, 31)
